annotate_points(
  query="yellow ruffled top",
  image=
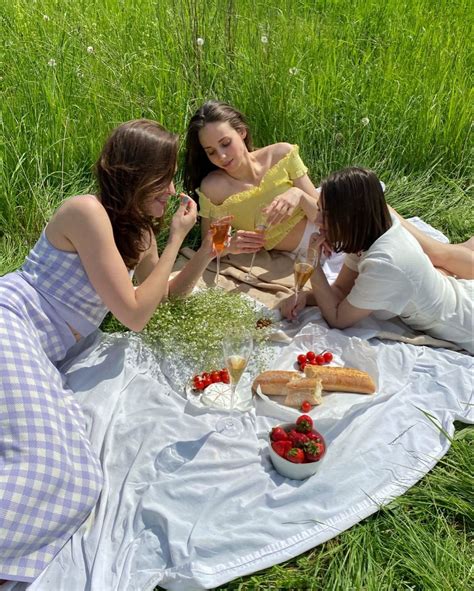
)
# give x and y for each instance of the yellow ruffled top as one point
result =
(244, 205)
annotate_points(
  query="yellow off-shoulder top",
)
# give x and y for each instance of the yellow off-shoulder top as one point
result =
(244, 205)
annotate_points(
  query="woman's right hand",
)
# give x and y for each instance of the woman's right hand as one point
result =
(290, 309)
(244, 241)
(184, 218)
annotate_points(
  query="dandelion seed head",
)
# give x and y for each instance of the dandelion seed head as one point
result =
(52, 63)
(293, 71)
(365, 121)
(199, 41)
(90, 49)
(264, 39)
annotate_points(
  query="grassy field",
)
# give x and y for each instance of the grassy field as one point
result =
(381, 84)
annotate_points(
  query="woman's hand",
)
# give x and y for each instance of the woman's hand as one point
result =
(184, 218)
(283, 206)
(290, 308)
(246, 241)
(207, 246)
(318, 242)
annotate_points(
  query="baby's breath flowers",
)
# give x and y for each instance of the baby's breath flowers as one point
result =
(191, 329)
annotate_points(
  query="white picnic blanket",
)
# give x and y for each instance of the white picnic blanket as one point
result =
(186, 508)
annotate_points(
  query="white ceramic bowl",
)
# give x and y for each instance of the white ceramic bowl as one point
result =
(290, 469)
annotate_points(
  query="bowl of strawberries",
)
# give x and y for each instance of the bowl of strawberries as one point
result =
(296, 449)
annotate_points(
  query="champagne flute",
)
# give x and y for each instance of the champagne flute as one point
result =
(303, 268)
(261, 224)
(237, 349)
(220, 229)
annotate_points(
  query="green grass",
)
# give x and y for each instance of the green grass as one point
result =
(403, 66)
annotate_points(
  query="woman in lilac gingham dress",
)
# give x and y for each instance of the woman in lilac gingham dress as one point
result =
(79, 269)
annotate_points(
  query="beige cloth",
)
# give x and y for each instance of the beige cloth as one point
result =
(273, 272)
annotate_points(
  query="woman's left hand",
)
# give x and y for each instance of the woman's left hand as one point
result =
(207, 246)
(283, 206)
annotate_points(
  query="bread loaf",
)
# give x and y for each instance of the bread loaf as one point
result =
(303, 389)
(341, 379)
(272, 383)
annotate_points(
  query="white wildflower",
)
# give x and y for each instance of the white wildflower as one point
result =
(293, 71)
(264, 39)
(90, 49)
(365, 121)
(45, 17)
(199, 41)
(79, 73)
(52, 63)
(339, 137)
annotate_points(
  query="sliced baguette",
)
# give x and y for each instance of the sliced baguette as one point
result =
(303, 389)
(272, 383)
(341, 379)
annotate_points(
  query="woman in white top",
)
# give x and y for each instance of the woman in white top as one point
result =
(386, 272)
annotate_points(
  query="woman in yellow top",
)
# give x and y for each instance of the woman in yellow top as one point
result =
(230, 178)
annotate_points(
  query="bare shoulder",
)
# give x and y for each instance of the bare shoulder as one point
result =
(216, 186)
(272, 154)
(79, 207)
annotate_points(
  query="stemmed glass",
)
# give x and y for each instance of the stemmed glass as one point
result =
(303, 268)
(237, 349)
(261, 224)
(220, 229)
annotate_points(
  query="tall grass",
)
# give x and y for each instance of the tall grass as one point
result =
(382, 84)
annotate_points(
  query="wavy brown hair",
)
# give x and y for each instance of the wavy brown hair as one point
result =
(196, 163)
(137, 163)
(355, 212)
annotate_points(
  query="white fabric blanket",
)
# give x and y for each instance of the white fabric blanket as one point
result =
(186, 508)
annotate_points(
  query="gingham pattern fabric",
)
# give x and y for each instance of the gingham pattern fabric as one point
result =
(60, 277)
(50, 479)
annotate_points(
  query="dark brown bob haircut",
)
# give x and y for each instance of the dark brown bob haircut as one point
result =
(354, 209)
(137, 163)
(196, 163)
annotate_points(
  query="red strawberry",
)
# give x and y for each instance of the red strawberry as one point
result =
(304, 424)
(295, 455)
(314, 436)
(278, 434)
(298, 439)
(313, 451)
(282, 447)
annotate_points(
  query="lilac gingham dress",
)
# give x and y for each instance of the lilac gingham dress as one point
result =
(50, 478)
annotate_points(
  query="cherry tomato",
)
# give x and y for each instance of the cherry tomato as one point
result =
(198, 383)
(310, 355)
(205, 375)
(328, 356)
(206, 381)
(215, 377)
(302, 366)
(313, 362)
(306, 406)
(301, 358)
(224, 376)
(320, 360)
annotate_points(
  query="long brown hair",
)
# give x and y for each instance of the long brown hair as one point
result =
(137, 162)
(196, 163)
(354, 209)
